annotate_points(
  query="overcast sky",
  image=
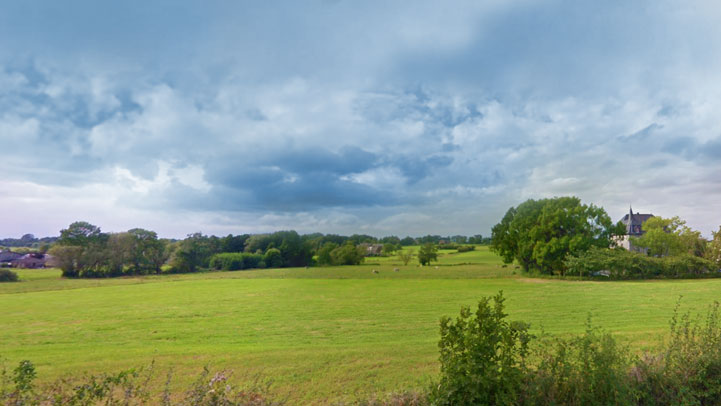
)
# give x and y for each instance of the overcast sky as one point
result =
(386, 118)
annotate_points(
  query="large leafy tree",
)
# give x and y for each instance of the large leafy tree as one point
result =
(670, 237)
(713, 251)
(539, 234)
(82, 249)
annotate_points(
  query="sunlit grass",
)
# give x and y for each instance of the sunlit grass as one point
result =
(320, 333)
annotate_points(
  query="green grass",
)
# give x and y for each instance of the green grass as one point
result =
(321, 333)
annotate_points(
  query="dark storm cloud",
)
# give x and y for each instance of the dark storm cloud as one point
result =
(293, 110)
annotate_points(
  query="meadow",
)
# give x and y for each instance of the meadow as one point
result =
(321, 334)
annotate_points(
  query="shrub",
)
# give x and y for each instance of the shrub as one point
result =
(235, 261)
(348, 254)
(7, 275)
(688, 368)
(466, 248)
(619, 263)
(482, 357)
(272, 258)
(449, 246)
(130, 388)
(587, 370)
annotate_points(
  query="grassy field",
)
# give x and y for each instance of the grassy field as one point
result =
(322, 334)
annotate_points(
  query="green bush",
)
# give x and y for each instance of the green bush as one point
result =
(273, 258)
(482, 357)
(466, 248)
(687, 370)
(235, 261)
(619, 263)
(7, 275)
(590, 369)
(449, 246)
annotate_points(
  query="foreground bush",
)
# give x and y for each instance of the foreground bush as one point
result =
(482, 357)
(129, 388)
(483, 362)
(7, 275)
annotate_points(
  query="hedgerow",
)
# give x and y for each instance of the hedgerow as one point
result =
(619, 263)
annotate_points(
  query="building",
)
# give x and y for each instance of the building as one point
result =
(7, 257)
(30, 261)
(634, 228)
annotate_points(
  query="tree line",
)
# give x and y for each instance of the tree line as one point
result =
(84, 250)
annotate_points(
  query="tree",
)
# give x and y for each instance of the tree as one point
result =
(408, 241)
(390, 248)
(324, 257)
(273, 258)
(427, 253)
(670, 237)
(84, 250)
(79, 233)
(539, 234)
(348, 254)
(194, 252)
(406, 256)
(713, 251)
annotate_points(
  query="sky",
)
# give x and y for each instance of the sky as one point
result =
(376, 117)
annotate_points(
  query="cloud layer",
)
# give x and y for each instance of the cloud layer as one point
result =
(345, 117)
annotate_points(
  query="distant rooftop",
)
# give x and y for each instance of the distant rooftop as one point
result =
(634, 221)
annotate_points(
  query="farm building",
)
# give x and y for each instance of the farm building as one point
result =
(634, 228)
(7, 257)
(32, 260)
(372, 250)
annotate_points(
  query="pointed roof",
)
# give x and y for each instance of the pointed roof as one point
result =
(634, 221)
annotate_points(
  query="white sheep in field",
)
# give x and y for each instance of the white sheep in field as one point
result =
(396, 269)
(436, 266)
(375, 271)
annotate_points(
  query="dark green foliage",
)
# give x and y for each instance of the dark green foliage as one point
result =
(390, 248)
(483, 362)
(408, 241)
(433, 239)
(348, 254)
(482, 357)
(591, 369)
(294, 250)
(7, 275)
(427, 253)
(84, 251)
(390, 240)
(466, 248)
(273, 258)
(688, 369)
(362, 238)
(235, 261)
(619, 263)
(540, 234)
(324, 257)
(449, 246)
(233, 243)
(193, 253)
